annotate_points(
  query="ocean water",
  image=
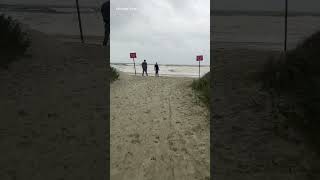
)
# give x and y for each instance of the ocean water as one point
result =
(165, 70)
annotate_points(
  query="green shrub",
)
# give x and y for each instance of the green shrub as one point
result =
(114, 75)
(13, 42)
(202, 86)
(295, 77)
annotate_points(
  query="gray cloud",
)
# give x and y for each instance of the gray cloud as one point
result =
(167, 31)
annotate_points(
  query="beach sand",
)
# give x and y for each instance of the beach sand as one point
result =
(158, 130)
(53, 107)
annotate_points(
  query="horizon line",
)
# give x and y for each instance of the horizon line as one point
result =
(121, 63)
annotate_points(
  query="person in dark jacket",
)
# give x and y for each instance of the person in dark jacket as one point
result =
(156, 68)
(144, 67)
(105, 11)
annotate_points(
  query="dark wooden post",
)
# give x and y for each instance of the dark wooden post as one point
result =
(79, 18)
(286, 26)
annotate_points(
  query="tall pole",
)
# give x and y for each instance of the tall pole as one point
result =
(79, 18)
(134, 64)
(199, 69)
(286, 27)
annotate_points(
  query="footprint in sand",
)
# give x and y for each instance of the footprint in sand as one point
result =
(147, 111)
(188, 133)
(135, 138)
(175, 142)
(157, 139)
(127, 159)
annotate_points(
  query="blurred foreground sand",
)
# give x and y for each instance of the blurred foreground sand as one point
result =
(53, 107)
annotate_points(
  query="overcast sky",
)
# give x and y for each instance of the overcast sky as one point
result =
(166, 31)
(299, 5)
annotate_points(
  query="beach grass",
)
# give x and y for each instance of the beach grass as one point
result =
(114, 74)
(14, 42)
(294, 80)
(202, 87)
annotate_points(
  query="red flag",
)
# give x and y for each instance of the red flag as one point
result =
(133, 55)
(200, 58)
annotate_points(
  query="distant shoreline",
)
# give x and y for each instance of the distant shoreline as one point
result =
(188, 65)
(163, 75)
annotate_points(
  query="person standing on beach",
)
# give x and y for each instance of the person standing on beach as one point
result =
(105, 11)
(144, 67)
(156, 68)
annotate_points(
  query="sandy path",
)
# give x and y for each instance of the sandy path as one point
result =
(157, 131)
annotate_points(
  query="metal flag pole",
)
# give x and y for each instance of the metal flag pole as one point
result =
(199, 58)
(134, 64)
(134, 55)
(79, 18)
(286, 26)
(199, 69)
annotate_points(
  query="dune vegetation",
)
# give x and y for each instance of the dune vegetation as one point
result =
(114, 74)
(14, 42)
(202, 86)
(294, 80)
